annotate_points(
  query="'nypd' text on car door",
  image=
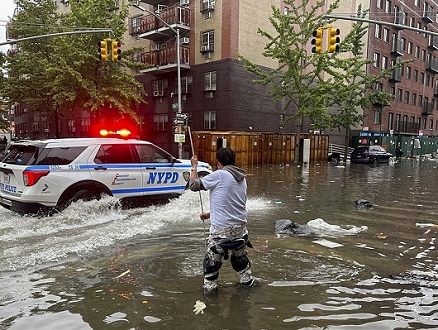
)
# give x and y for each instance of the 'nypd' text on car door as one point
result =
(159, 173)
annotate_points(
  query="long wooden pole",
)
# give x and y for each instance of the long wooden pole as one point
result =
(200, 196)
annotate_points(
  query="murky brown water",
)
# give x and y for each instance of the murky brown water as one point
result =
(95, 267)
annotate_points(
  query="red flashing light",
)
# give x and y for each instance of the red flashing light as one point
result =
(121, 133)
(32, 177)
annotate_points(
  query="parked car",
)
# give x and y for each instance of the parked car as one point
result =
(45, 176)
(370, 154)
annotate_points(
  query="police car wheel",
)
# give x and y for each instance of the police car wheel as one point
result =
(83, 194)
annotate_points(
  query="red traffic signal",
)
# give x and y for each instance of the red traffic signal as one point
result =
(333, 40)
(116, 51)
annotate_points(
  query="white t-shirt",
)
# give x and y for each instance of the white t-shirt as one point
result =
(227, 199)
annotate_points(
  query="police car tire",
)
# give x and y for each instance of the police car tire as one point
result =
(82, 194)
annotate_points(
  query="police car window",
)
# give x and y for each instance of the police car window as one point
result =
(114, 154)
(58, 156)
(150, 154)
(21, 154)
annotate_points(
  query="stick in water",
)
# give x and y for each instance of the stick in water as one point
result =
(200, 196)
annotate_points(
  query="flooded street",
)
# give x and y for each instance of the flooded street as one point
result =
(98, 267)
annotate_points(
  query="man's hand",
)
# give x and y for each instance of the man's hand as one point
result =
(204, 215)
(194, 161)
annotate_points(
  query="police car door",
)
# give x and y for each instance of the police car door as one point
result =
(160, 176)
(117, 168)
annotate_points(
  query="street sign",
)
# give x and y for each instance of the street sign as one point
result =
(177, 121)
(180, 138)
(182, 116)
(174, 105)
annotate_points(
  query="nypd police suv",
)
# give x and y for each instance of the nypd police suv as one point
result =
(45, 176)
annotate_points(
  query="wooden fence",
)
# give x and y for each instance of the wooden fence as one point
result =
(257, 148)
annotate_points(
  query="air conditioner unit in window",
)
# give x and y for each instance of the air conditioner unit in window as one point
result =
(184, 2)
(205, 49)
(184, 40)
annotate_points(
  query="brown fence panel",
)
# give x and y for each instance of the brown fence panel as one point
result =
(257, 148)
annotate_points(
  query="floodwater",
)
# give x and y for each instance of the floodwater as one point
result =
(98, 267)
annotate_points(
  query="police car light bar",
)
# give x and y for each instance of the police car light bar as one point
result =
(122, 132)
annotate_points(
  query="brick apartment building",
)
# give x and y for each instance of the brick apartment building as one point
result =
(219, 95)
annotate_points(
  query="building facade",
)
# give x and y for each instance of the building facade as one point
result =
(414, 110)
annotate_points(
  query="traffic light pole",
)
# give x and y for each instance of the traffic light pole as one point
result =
(398, 26)
(14, 41)
(178, 64)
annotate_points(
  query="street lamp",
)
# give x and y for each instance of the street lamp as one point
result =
(178, 64)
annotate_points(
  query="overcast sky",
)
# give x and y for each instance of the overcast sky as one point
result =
(6, 10)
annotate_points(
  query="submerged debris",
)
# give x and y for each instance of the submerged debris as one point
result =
(199, 307)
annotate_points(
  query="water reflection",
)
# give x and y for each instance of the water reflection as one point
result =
(95, 266)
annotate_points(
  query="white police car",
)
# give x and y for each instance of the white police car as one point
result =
(45, 176)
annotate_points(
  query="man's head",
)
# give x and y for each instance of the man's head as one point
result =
(226, 156)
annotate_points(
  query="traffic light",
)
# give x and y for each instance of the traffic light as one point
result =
(103, 50)
(116, 50)
(333, 40)
(317, 41)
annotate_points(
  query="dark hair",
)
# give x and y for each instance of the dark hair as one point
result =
(226, 156)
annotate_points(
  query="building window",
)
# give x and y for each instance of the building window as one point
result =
(405, 122)
(376, 60)
(420, 100)
(210, 120)
(387, 6)
(161, 122)
(399, 94)
(427, 80)
(384, 62)
(210, 81)
(412, 23)
(415, 75)
(207, 42)
(423, 55)
(71, 126)
(378, 31)
(392, 90)
(424, 123)
(377, 115)
(431, 124)
(186, 85)
(408, 72)
(422, 78)
(417, 3)
(407, 97)
(158, 87)
(397, 122)
(386, 35)
(390, 120)
(380, 4)
(414, 99)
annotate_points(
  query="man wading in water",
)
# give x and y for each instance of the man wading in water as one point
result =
(228, 233)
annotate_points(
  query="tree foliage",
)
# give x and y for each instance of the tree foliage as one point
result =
(63, 73)
(328, 88)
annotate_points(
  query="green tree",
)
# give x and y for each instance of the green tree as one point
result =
(296, 79)
(355, 88)
(55, 75)
(306, 81)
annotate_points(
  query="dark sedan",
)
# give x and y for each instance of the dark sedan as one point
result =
(370, 154)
